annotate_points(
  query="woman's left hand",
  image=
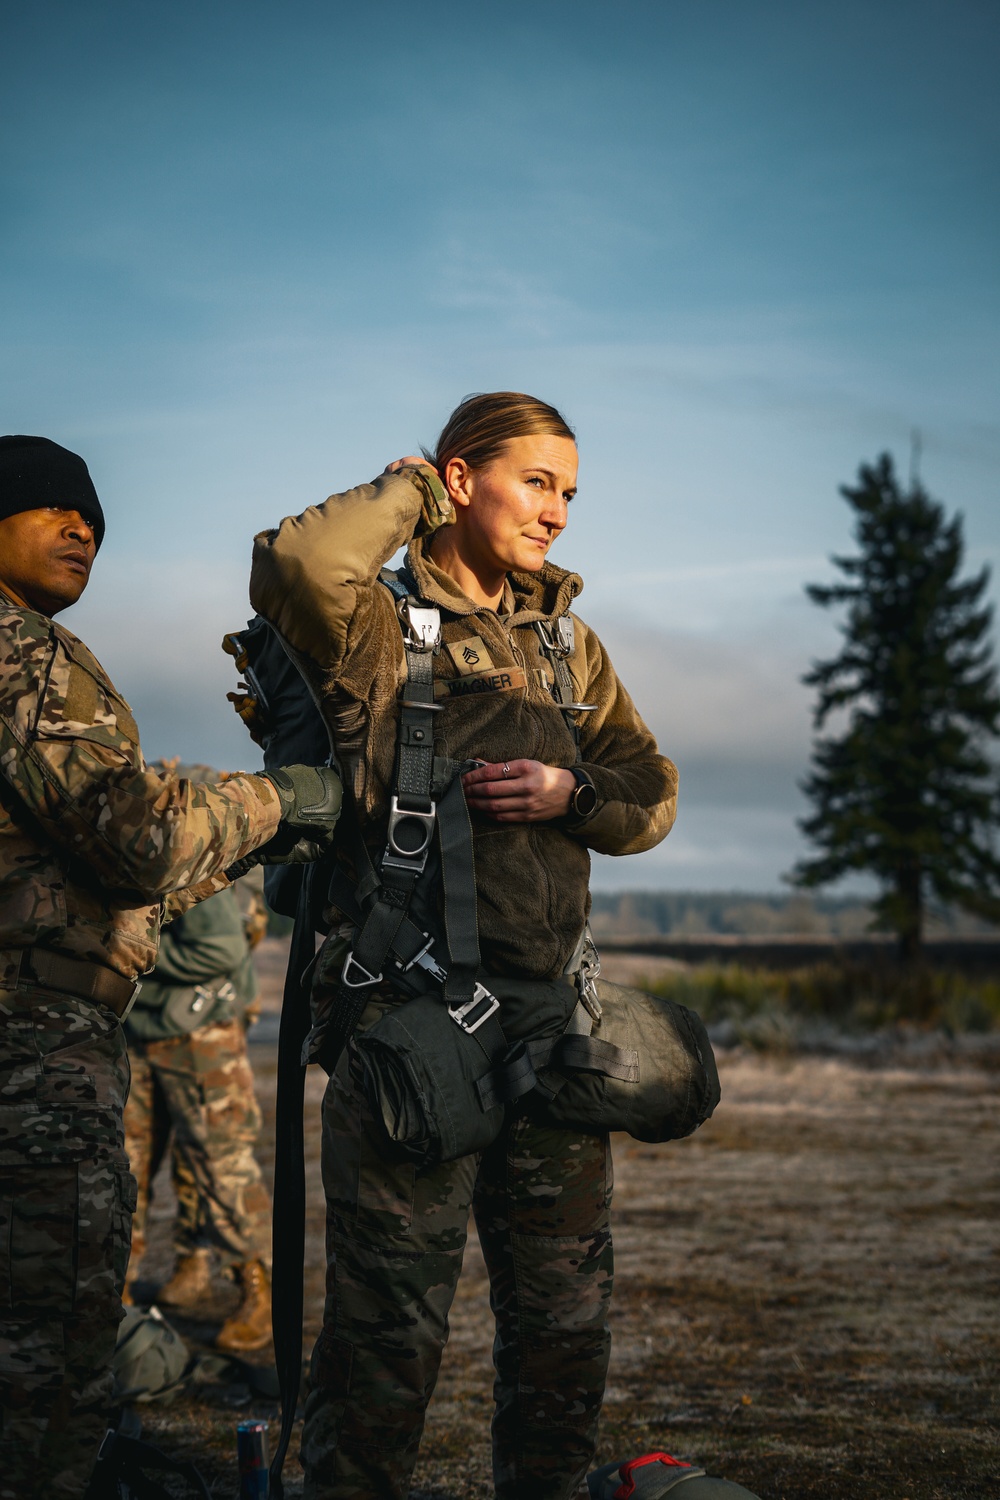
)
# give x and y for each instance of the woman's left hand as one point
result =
(519, 791)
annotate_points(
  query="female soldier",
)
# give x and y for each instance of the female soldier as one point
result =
(549, 785)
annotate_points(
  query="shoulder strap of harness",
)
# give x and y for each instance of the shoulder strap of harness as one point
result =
(427, 799)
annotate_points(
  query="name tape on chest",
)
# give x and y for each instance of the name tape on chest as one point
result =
(471, 656)
(494, 680)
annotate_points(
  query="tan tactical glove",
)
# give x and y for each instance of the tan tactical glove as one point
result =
(436, 509)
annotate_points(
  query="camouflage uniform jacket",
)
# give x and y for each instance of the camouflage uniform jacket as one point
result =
(315, 580)
(94, 847)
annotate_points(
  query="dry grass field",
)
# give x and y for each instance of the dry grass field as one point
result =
(806, 1295)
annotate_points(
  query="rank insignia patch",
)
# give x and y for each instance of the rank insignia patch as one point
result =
(470, 656)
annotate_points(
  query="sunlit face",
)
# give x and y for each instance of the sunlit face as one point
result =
(509, 512)
(46, 557)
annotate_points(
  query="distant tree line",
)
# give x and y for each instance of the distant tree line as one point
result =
(623, 914)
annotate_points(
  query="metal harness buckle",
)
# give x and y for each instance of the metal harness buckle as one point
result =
(421, 824)
(481, 998)
(422, 626)
(559, 636)
(590, 968)
(351, 966)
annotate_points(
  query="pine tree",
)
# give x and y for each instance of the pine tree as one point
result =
(907, 792)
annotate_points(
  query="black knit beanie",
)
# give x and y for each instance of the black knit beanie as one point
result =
(36, 473)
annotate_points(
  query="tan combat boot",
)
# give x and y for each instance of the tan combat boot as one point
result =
(250, 1325)
(190, 1282)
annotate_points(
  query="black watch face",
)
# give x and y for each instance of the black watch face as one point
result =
(584, 800)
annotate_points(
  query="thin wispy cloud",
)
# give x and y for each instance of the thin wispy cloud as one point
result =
(253, 253)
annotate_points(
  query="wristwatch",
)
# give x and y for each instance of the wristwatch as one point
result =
(584, 799)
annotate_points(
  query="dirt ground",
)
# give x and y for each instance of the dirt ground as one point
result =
(806, 1291)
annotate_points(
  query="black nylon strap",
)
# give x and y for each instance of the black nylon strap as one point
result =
(589, 1054)
(459, 878)
(344, 896)
(289, 1188)
(506, 1081)
(415, 770)
(130, 1460)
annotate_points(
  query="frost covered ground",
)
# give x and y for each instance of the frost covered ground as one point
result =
(806, 1295)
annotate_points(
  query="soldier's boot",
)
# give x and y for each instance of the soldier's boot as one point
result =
(190, 1282)
(250, 1325)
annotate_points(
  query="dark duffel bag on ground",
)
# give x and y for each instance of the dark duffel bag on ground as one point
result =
(440, 1092)
(655, 1475)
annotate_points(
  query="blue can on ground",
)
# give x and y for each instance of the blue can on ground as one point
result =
(251, 1456)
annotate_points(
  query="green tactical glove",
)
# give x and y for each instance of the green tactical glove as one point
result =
(310, 799)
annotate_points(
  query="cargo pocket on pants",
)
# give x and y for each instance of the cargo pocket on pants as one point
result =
(126, 1197)
(332, 1364)
(39, 1226)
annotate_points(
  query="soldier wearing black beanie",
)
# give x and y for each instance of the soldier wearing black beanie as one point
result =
(36, 473)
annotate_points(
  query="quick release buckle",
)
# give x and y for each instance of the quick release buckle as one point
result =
(558, 636)
(480, 1008)
(352, 967)
(410, 833)
(421, 626)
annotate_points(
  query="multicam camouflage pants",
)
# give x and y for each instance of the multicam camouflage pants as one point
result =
(201, 1084)
(66, 1198)
(395, 1239)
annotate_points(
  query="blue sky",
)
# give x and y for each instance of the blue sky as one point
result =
(249, 253)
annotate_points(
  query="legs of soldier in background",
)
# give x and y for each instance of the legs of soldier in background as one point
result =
(395, 1239)
(542, 1205)
(66, 1200)
(188, 1229)
(208, 1086)
(147, 1131)
(192, 1277)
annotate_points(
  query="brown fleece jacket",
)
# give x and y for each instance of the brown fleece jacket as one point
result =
(315, 580)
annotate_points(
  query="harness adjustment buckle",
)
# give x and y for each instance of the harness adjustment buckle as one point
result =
(558, 636)
(420, 956)
(421, 626)
(426, 961)
(410, 834)
(480, 1008)
(351, 967)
